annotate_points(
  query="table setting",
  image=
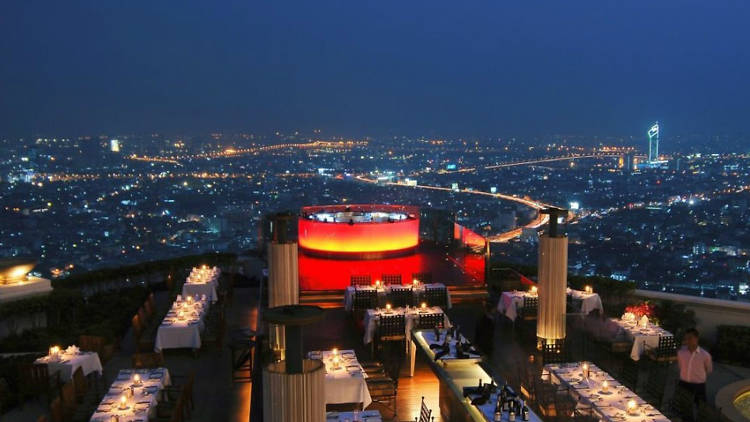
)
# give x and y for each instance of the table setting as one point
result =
(641, 331)
(383, 290)
(67, 361)
(345, 378)
(449, 345)
(202, 281)
(590, 301)
(133, 396)
(182, 325)
(598, 390)
(511, 301)
(411, 314)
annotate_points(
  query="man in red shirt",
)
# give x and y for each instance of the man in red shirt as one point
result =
(695, 365)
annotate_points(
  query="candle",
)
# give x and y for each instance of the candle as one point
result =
(588, 289)
(631, 406)
(585, 367)
(377, 283)
(335, 351)
(415, 282)
(123, 402)
(190, 299)
(137, 379)
(424, 305)
(388, 307)
(533, 290)
(605, 385)
(181, 315)
(336, 361)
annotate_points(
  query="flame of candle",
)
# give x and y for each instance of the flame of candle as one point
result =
(424, 305)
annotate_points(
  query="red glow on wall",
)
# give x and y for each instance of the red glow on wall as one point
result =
(361, 237)
(468, 237)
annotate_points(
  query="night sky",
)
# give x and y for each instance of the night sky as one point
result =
(445, 68)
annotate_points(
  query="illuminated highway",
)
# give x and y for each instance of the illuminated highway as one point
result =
(536, 161)
(540, 220)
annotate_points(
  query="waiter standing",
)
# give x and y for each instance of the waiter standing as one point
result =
(695, 365)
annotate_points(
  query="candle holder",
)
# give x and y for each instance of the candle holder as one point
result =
(123, 402)
(585, 368)
(336, 362)
(137, 379)
(605, 386)
(388, 307)
(632, 407)
(533, 290)
(588, 289)
(377, 284)
(423, 306)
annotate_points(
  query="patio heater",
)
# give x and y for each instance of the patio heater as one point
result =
(553, 280)
(294, 389)
(283, 276)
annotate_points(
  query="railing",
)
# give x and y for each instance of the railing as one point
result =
(709, 313)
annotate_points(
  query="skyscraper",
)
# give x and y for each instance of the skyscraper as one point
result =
(653, 143)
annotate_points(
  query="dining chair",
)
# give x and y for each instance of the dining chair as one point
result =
(436, 296)
(391, 279)
(147, 360)
(401, 297)
(430, 320)
(360, 280)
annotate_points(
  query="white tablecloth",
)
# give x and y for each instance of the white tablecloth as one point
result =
(345, 384)
(589, 301)
(142, 404)
(640, 336)
(193, 288)
(510, 302)
(372, 316)
(610, 405)
(383, 292)
(186, 333)
(67, 364)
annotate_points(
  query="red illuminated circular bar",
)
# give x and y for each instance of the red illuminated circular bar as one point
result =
(359, 231)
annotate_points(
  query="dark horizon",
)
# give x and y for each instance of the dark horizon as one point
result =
(591, 68)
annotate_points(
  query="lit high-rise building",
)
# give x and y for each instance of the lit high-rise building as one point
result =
(114, 145)
(653, 143)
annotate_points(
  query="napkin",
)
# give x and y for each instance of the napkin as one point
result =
(72, 350)
(179, 298)
(643, 322)
(203, 297)
(628, 316)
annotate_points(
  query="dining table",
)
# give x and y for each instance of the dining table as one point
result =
(512, 301)
(599, 394)
(418, 292)
(411, 316)
(345, 379)
(590, 301)
(183, 324)
(67, 361)
(642, 335)
(201, 284)
(132, 398)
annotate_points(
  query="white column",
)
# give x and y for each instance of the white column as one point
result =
(294, 397)
(553, 280)
(283, 287)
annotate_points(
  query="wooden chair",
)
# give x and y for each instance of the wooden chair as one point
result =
(242, 351)
(170, 412)
(360, 280)
(383, 392)
(401, 297)
(147, 360)
(56, 410)
(431, 320)
(629, 374)
(80, 384)
(180, 393)
(215, 334)
(68, 397)
(665, 352)
(35, 379)
(389, 279)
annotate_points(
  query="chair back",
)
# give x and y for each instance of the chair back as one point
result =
(424, 412)
(391, 326)
(137, 326)
(667, 347)
(365, 299)
(436, 296)
(389, 279)
(68, 396)
(431, 320)
(56, 410)
(360, 280)
(147, 360)
(401, 297)
(80, 383)
(91, 343)
(553, 353)
(530, 303)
